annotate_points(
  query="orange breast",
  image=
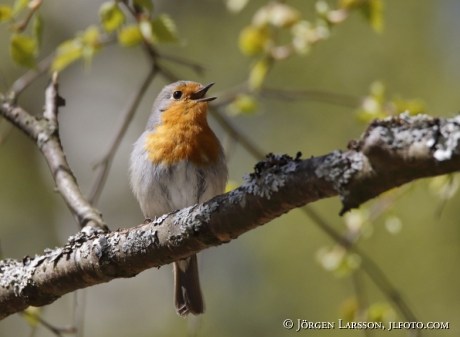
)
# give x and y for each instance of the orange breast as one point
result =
(184, 134)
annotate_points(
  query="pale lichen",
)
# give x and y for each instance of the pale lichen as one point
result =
(190, 219)
(420, 135)
(269, 176)
(139, 241)
(16, 274)
(235, 196)
(448, 141)
(99, 245)
(339, 168)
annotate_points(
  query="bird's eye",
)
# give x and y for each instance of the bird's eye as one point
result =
(177, 94)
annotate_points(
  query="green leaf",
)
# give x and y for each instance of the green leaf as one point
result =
(145, 4)
(85, 46)
(243, 104)
(88, 54)
(253, 39)
(373, 12)
(258, 73)
(66, 53)
(130, 36)
(164, 29)
(18, 6)
(32, 316)
(91, 36)
(37, 28)
(91, 44)
(23, 50)
(5, 13)
(111, 15)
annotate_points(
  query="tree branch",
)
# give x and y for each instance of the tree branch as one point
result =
(390, 153)
(401, 149)
(126, 117)
(29, 77)
(45, 132)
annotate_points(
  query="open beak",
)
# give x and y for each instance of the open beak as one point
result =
(198, 96)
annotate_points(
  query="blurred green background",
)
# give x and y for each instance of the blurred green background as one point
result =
(270, 274)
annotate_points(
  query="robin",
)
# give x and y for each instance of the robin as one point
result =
(176, 163)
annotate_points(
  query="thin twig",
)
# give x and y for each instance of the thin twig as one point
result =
(58, 331)
(311, 95)
(291, 95)
(167, 74)
(380, 279)
(227, 97)
(126, 117)
(368, 265)
(231, 129)
(79, 311)
(29, 77)
(23, 25)
(198, 68)
(361, 300)
(130, 9)
(443, 199)
(229, 145)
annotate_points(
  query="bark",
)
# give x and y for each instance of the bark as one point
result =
(390, 153)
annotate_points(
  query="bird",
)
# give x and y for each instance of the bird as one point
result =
(178, 162)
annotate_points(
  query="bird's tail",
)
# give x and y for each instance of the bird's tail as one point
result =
(188, 298)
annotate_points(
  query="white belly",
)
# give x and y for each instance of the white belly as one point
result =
(161, 189)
